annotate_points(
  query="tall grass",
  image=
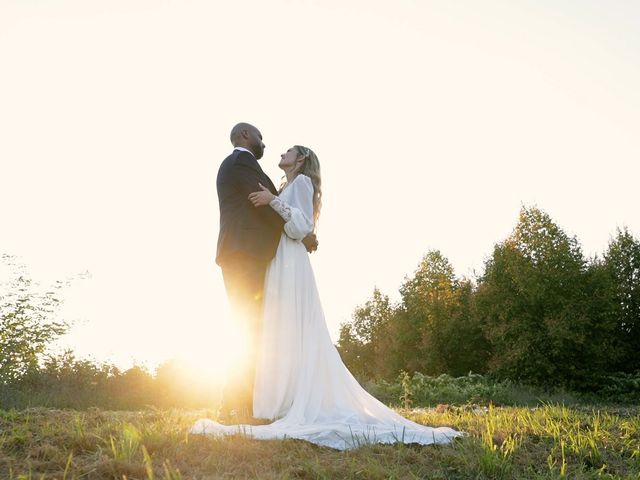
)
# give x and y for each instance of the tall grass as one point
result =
(60, 423)
(547, 441)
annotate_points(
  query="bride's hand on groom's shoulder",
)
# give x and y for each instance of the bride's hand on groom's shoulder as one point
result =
(310, 242)
(261, 198)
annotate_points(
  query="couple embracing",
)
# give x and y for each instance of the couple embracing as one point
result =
(294, 375)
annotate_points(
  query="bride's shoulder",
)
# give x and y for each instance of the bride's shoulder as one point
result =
(303, 178)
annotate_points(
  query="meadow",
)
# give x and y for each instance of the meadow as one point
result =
(552, 436)
(555, 335)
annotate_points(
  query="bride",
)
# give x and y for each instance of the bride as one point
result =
(300, 380)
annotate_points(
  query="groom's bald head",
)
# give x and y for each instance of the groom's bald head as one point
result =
(236, 131)
(247, 136)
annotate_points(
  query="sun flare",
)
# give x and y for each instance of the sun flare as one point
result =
(216, 353)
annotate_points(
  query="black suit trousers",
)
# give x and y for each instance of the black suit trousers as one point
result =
(244, 277)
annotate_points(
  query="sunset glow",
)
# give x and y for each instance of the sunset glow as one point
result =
(433, 123)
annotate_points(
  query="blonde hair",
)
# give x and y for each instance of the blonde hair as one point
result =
(311, 168)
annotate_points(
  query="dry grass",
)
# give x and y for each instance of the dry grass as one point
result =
(540, 442)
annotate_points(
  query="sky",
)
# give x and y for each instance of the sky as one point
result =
(434, 122)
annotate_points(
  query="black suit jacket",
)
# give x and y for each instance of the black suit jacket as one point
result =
(244, 229)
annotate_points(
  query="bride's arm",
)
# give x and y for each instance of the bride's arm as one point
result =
(298, 213)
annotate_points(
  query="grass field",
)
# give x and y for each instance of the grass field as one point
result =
(549, 441)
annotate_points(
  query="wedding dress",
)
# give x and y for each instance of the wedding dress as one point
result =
(300, 379)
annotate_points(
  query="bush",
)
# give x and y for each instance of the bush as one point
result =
(64, 381)
(430, 391)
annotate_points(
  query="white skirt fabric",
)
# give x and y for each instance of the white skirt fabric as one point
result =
(300, 379)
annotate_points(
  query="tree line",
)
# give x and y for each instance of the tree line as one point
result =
(541, 313)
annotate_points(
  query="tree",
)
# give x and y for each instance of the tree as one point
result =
(426, 299)
(363, 342)
(27, 321)
(622, 263)
(433, 330)
(458, 338)
(437, 331)
(536, 303)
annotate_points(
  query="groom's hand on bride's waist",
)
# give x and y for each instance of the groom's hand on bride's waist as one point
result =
(310, 242)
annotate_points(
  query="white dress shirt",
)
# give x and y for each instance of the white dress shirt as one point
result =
(244, 150)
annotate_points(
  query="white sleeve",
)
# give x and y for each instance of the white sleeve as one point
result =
(298, 212)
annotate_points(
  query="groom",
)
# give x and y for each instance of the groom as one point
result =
(247, 242)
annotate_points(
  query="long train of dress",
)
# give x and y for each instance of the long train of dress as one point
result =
(300, 378)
